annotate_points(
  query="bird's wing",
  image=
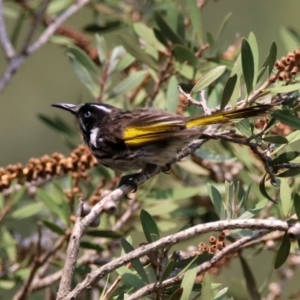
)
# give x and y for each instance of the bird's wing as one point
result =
(150, 125)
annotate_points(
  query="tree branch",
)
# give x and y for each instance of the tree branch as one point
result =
(269, 225)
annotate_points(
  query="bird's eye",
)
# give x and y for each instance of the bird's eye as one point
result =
(87, 114)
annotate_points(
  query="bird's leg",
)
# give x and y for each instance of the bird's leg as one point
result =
(166, 168)
(131, 179)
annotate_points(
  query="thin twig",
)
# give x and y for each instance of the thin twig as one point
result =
(150, 288)
(16, 61)
(37, 19)
(4, 40)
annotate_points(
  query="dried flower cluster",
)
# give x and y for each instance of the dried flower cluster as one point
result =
(287, 67)
(216, 244)
(57, 164)
(81, 40)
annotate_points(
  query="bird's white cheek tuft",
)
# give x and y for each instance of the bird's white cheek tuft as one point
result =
(93, 137)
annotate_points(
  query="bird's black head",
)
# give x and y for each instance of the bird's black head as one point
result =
(89, 115)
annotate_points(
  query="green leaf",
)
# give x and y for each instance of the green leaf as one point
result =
(27, 210)
(168, 269)
(133, 280)
(208, 78)
(166, 30)
(183, 54)
(175, 194)
(146, 33)
(275, 139)
(177, 294)
(6, 284)
(285, 196)
(18, 195)
(228, 90)
(223, 25)
(289, 173)
(101, 48)
(284, 157)
(247, 65)
(8, 243)
(216, 199)
(290, 38)
(90, 245)
(129, 83)
(172, 95)
(54, 206)
(83, 58)
(244, 127)
(149, 227)
(254, 49)
(57, 6)
(103, 233)
(284, 89)
(297, 204)
(206, 293)
(250, 280)
(53, 227)
(57, 124)
(132, 46)
(84, 76)
(124, 62)
(196, 20)
(258, 207)
(166, 207)
(269, 61)
(283, 251)
(136, 264)
(262, 189)
(245, 197)
(188, 282)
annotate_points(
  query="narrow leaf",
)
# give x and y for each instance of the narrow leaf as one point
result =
(172, 95)
(289, 173)
(285, 196)
(136, 264)
(250, 280)
(247, 65)
(254, 49)
(284, 157)
(132, 46)
(129, 83)
(206, 293)
(83, 58)
(103, 233)
(133, 280)
(262, 189)
(196, 20)
(208, 78)
(284, 89)
(167, 30)
(149, 227)
(216, 199)
(283, 251)
(275, 139)
(26, 211)
(53, 227)
(90, 245)
(228, 90)
(188, 282)
(297, 205)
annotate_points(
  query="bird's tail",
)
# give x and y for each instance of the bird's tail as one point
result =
(230, 115)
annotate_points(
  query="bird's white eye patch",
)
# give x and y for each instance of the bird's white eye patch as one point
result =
(93, 137)
(101, 107)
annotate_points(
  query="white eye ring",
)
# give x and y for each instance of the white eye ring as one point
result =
(87, 114)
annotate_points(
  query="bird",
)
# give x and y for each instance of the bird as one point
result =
(144, 138)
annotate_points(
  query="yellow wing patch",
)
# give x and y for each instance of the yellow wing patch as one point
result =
(138, 135)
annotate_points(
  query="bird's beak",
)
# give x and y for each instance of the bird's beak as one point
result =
(66, 106)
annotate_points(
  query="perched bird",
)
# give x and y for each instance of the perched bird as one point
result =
(143, 138)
